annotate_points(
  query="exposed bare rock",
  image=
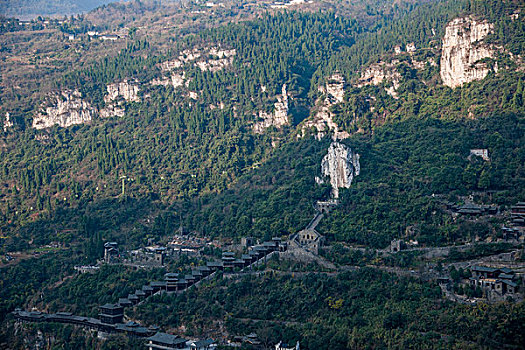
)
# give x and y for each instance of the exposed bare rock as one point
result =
(211, 59)
(207, 59)
(322, 120)
(340, 165)
(221, 106)
(176, 80)
(193, 95)
(221, 53)
(335, 88)
(67, 108)
(171, 65)
(278, 118)
(382, 72)
(222, 58)
(214, 65)
(161, 81)
(464, 50)
(125, 89)
(7, 122)
(112, 111)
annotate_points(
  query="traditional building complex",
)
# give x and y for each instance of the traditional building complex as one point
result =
(517, 214)
(494, 281)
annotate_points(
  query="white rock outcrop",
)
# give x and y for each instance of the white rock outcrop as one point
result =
(411, 47)
(171, 65)
(278, 118)
(176, 80)
(463, 51)
(322, 121)
(382, 72)
(67, 108)
(7, 122)
(214, 65)
(211, 59)
(125, 89)
(112, 111)
(340, 165)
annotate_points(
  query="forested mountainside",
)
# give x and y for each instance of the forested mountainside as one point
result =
(143, 118)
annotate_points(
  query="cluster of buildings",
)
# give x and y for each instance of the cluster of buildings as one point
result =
(175, 282)
(186, 244)
(130, 328)
(515, 230)
(397, 245)
(111, 316)
(517, 214)
(494, 282)
(111, 37)
(110, 321)
(153, 256)
(470, 209)
(164, 341)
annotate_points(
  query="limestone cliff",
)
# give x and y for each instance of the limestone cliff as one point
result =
(220, 59)
(382, 72)
(125, 89)
(66, 108)
(464, 50)
(278, 118)
(333, 92)
(340, 165)
(207, 59)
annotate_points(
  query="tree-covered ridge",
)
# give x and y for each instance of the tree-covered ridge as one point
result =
(407, 163)
(172, 147)
(189, 148)
(365, 309)
(173, 156)
(402, 166)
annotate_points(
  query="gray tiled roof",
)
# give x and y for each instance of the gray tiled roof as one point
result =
(168, 339)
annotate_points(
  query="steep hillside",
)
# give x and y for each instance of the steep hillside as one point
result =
(190, 121)
(228, 121)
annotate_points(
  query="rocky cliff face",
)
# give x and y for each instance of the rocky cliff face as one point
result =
(207, 59)
(176, 80)
(221, 59)
(322, 121)
(382, 72)
(340, 165)
(463, 51)
(278, 118)
(125, 89)
(66, 109)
